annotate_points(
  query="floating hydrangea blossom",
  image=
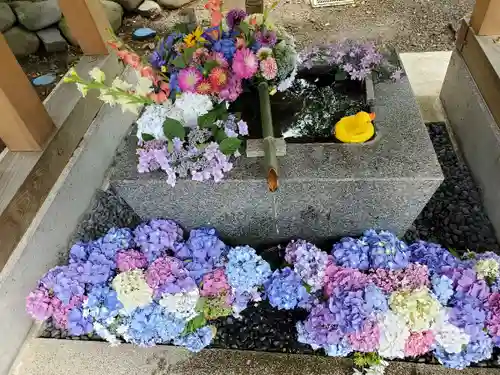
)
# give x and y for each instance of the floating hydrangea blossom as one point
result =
(393, 335)
(157, 236)
(132, 289)
(245, 269)
(386, 250)
(285, 290)
(418, 308)
(351, 253)
(197, 340)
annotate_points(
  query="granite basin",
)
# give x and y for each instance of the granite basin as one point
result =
(327, 190)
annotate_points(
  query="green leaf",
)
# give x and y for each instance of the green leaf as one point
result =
(173, 129)
(182, 28)
(200, 304)
(170, 146)
(209, 65)
(147, 137)
(207, 120)
(195, 323)
(308, 288)
(188, 54)
(178, 62)
(219, 135)
(220, 110)
(229, 145)
(245, 29)
(454, 252)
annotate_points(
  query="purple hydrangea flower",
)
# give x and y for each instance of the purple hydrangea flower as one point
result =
(432, 255)
(468, 314)
(308, 261)
(266, 38)
(130, 259)
(285, 290)
(349, 309)
(64, 282)
(157, 236)
(351, 253)
(78, 324)
(386, 250)
(320, 329)
(39, 304)
(168, 275)
(197, 340)
(466, 283)
(375, 299)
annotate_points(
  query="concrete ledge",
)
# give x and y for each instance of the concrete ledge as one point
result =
(46, 238)
(62, 357)
(476, 131)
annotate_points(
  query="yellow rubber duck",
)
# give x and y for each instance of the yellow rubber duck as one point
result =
(357, 128)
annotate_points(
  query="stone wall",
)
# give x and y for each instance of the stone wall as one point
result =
(39, 24)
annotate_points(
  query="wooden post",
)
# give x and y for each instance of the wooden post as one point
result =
(254, 6)
(25, 125)
(88, 24)
(485, 18)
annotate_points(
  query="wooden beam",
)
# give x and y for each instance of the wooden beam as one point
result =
(254, 6)
(485, 18)
(88, 24)
(25, 125)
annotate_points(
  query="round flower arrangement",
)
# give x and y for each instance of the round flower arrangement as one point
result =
(373, 297)
(194, 73)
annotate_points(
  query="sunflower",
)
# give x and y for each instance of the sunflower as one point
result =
(195, 37)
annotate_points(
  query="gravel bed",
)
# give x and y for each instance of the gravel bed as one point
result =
(454, 217)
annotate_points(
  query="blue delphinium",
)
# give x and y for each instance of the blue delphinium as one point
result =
(351, 253)
(203, 251)
(197, 340)
(245, 270)
(480, 348)
(386, 250)
(78, 323)
(152, 325)
(226, 46)
(285, 290)
(442, 286)
(375, 299)
(432, 255)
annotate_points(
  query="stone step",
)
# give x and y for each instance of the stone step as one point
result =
(62, 357)
(326, 190)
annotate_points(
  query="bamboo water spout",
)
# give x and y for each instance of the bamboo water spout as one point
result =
(270, 158)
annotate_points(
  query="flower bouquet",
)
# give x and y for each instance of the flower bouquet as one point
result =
(187, 85)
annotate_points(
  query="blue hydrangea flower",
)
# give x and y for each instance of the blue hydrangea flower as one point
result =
(116, 239)
(78, 323)
(285, 290)
(442, 286)
(152, 325)
(349, 309)
(432, 255)
(245, 270)
(102, 304)
(156, 237)
(197, 340)
(351, 253)
(375, 299)
(202, 251)
(91, 273)
(468, 314)
(477, 350)
(386, 250)
(64, 282)
(79, 252)
(342, 349)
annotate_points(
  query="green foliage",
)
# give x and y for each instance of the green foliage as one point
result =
(215, 307)
(173, 129)
(454, 252)
(219, 135)
(182, 28)
(366, 359)
(245, 29)
(207, 120)
(179, 62)
(194, 324)
(188, 54)
(340, 75)
(229, 145)
(209, 65)
(308, 288)
(147, 137)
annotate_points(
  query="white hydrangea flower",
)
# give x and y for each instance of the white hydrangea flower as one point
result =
(151, 121)
(487, 268)
(193, 106)
(182, 305)
(103, 332)
(378, 369)
(449, 336)
(393, 335)
(418, 308)
(132, 290)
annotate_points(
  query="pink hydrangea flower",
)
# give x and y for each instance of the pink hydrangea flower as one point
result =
(245, 63)
(163, 270)
(214, 284)
(366, 340)
(268, 68)
(493, 321)
(130, 259)
(414, 276)
(340, 277)
(188, 79)
(419, 343)
(39, 304)
(61, 310)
